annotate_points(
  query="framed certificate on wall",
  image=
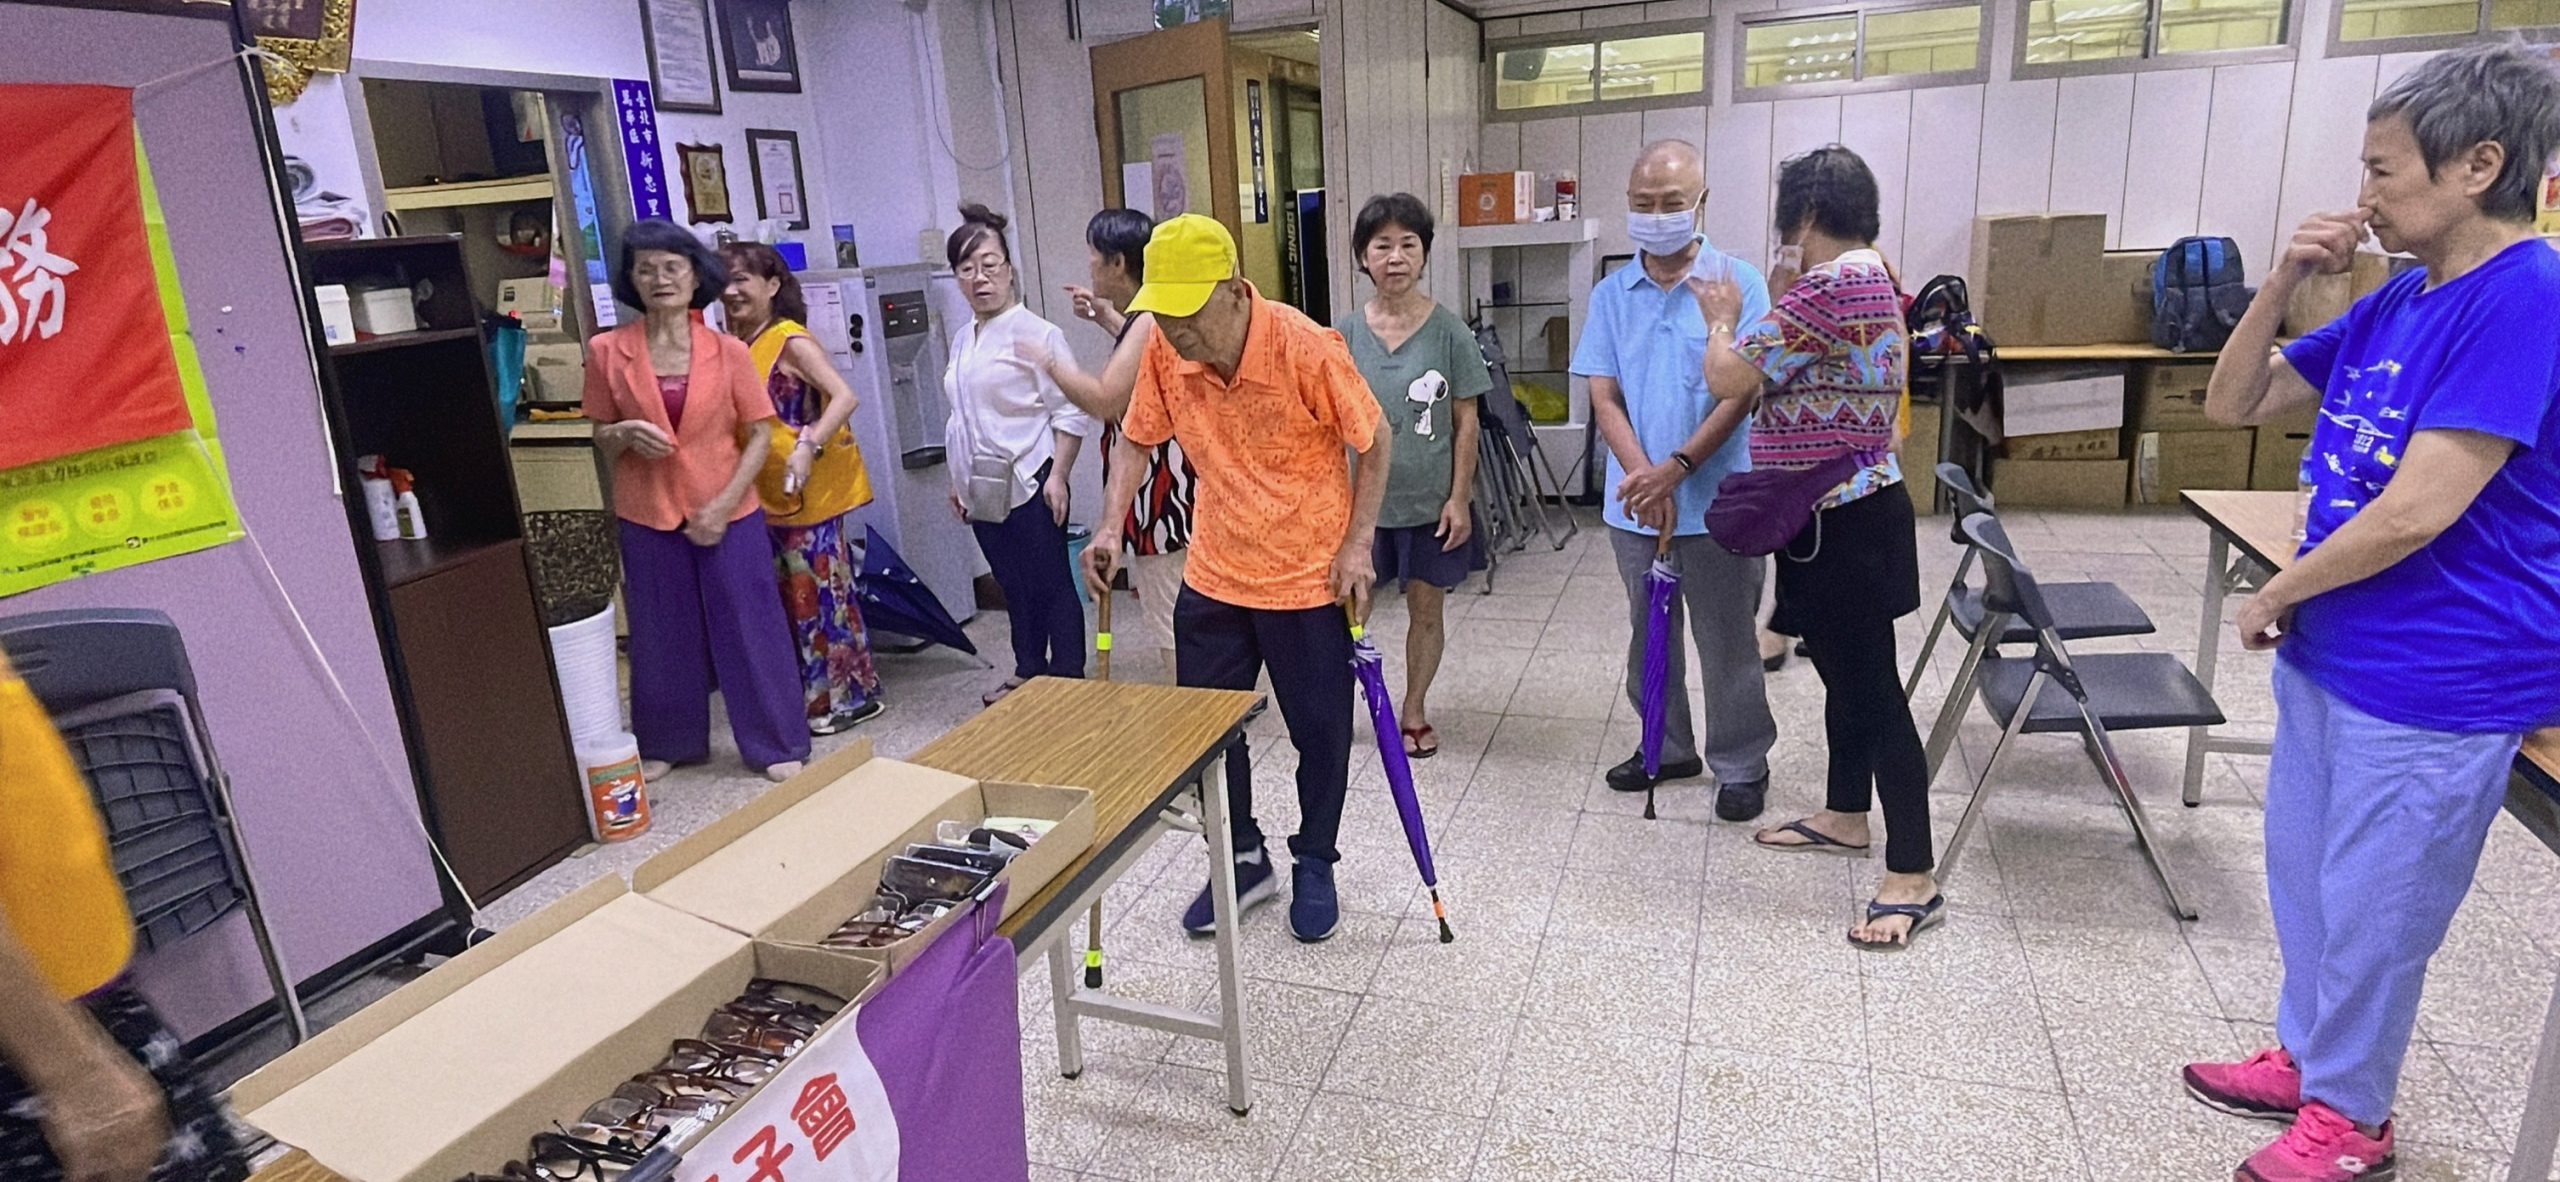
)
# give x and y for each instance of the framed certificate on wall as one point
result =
(680, 65)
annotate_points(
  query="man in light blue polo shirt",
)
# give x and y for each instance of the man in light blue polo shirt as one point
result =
(1670, 443)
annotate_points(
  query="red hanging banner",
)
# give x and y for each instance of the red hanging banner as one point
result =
(85, 358)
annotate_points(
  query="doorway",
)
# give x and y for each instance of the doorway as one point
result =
(1193, 120)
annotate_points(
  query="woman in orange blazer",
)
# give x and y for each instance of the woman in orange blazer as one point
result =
(683, 415)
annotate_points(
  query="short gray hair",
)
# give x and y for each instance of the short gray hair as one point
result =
(2478, 94)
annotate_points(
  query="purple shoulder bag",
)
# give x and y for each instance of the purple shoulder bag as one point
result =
(1758, 512)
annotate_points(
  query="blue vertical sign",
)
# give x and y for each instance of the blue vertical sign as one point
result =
(1253, 119)
(638, 115)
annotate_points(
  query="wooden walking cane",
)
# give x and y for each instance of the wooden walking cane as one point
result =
(1102, 661)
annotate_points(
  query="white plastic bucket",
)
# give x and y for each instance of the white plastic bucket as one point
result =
(617, 797)
(583, 653)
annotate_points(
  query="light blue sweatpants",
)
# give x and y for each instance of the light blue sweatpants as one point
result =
(2373, 832)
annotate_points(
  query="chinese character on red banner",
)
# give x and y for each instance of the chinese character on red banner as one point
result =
(823, 1114)
(85, 358)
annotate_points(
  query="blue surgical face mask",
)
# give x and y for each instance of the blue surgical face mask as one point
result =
(1663, 233)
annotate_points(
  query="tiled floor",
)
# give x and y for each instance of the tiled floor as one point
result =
(1658, 1001)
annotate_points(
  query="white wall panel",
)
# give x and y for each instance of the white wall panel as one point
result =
(2243, 178)
(1737, 175)
(1937, 217)
(2166, 181)
(2092, 131)
(1677, 123)
(1547, 145)
(1877, 127)
(1676, 10)
(2324, 140)
(1616, 137)
(2016, 166)
(1550, 22)
(1498, 147)
(2390, 67)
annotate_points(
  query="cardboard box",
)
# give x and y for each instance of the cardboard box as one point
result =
(1497, 198)
(2319, 299)
(556, 371)
(2037, 279)
(457, 1070)
(2125, 278)
(2168, 462)
(2099, 444)
(798, 861)
(2169, 396)
(1919, 457)
(2058, 484)
(2275, 461)
(2052, 400)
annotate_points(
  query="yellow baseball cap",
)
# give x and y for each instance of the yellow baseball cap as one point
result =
(1187, 258)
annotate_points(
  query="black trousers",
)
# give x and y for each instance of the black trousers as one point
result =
(201, 1147)
(1852, 572)
(1221, 646)
(1027, 553)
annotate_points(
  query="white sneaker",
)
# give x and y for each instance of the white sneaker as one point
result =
(652, 769)
(784, 770)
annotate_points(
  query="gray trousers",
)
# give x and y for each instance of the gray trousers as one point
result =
(1720, 595)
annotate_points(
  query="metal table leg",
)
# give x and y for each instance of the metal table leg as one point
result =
(1218, 836)
(2539, 1131)
(1062, 992)
(2217, 575)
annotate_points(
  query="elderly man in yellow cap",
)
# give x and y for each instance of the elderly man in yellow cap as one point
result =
(1267, 404)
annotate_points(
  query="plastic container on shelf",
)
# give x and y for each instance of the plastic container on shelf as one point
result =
(617, 796)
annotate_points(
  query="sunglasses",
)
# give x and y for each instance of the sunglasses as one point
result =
(739, 1065)
(559, 1157)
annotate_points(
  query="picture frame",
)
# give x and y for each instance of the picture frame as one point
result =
(773, 159)
(706, 183)
(758, 46)
(682, 72)
(307, 37)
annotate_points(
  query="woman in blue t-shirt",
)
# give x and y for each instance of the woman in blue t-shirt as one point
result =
(2418, 632)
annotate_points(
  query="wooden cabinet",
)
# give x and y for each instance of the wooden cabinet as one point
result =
(470, 663)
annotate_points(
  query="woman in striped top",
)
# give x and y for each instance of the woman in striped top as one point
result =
(1827, 366)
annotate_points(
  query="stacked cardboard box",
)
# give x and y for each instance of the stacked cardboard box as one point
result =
(2049, 279)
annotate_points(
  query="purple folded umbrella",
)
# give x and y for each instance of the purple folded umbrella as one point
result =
(1662, 588)
(1372, 671)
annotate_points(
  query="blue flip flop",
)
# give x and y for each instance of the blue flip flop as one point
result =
(1815, 842)
(1923, 916)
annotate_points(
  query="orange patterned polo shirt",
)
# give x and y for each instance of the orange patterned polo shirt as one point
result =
(1275, 484)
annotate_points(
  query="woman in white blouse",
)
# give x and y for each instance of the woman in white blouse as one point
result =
(1012, 440)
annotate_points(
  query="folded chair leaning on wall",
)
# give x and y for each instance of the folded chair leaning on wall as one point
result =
(2054, 693)
(2081, 611)
(119, 688)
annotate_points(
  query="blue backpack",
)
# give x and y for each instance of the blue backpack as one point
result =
(2198, 292)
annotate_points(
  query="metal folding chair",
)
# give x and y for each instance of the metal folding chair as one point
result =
(119, 688)
(2052, 693)
(2081, 611)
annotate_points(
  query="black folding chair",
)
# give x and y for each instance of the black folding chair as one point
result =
(2053, 693)
(2081, 611)
(118, 687)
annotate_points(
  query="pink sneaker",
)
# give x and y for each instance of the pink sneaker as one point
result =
(2266, 1086)
(2322, 1146)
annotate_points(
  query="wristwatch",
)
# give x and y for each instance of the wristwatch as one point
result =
(1686, 464)
(816, 448)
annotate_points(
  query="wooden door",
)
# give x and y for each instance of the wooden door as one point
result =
(1165, 102)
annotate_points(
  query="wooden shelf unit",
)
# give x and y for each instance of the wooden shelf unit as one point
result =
(469, 661)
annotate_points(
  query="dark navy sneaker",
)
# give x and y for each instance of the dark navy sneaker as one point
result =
(1314, 910)
(1742, 802)
(1255, 886)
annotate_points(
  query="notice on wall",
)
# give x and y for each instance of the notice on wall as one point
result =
(109, 457)
(1172, 184)
(637, 114)
(1253, 123)
(824, 1117)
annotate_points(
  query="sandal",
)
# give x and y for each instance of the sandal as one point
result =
(993, 696)
(1815, 842)
(1923, 916)
(1415, 738)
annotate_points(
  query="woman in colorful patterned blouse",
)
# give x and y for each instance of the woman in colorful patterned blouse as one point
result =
(1827, 366)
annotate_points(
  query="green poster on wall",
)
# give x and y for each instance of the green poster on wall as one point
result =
(1170, 13)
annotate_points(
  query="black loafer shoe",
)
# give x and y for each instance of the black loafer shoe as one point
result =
(1742, 802)
(1630, 777)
